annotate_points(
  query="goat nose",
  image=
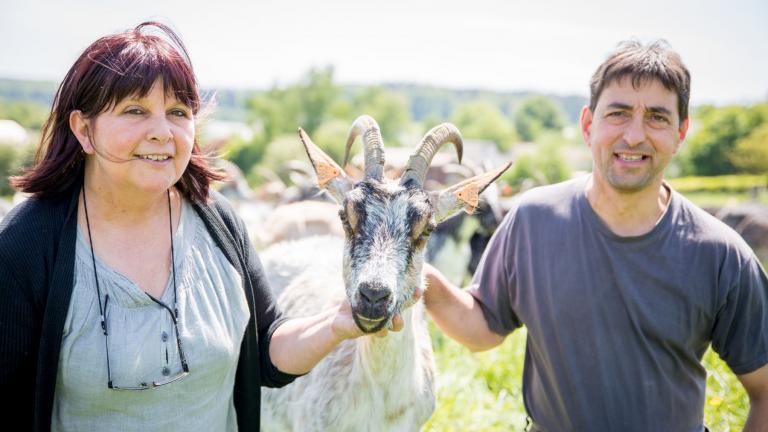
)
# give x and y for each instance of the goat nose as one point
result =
(374, 293)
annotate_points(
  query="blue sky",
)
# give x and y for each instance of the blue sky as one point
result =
(552, 46)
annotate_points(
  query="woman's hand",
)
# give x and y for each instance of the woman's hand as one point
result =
(298, 344)
(344, 326)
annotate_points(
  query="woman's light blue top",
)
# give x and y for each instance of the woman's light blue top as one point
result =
(213, 313)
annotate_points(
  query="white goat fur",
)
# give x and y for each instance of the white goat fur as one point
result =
(297, 220)
(365, 384)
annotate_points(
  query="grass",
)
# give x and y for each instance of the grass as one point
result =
(705, 199)
(725, 183)
(483, 391)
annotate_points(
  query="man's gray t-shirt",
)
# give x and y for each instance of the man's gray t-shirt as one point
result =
(617, 326)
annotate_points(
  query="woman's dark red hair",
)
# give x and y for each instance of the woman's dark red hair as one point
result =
(110, 69)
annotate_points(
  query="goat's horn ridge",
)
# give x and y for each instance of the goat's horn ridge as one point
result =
(418, 163)
(373, 145)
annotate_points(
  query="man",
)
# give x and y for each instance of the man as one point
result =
(621, 282)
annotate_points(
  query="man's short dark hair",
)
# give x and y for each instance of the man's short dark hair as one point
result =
(643, 63)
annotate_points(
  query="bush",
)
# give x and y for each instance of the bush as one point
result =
(545, 166)
(751, 153)
(537, 114)
(483, 120)
(709, 150)
(279, 152)
(9, 160)
(245, 154)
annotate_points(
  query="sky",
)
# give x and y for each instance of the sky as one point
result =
(548, 46)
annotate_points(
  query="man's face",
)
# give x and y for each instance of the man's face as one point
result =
(633, 134)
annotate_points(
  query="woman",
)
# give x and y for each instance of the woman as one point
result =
(131, 297)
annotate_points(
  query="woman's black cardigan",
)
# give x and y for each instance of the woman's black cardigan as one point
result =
(37, 257)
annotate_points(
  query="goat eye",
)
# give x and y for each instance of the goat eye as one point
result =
(423, 235)
(427, 230)
(345, 222)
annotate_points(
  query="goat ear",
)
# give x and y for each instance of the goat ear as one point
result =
(330, 176)
(464, 195)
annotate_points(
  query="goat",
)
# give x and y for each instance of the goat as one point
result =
(750, 220)
(456, 245)
(296, 220)
(369, 383)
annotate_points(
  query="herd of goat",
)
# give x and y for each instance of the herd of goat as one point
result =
(374, 235)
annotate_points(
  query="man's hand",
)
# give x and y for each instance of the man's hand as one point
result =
(457, 313)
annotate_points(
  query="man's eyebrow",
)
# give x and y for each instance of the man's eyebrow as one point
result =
(619, 105)
(659, 110)
(627, 107)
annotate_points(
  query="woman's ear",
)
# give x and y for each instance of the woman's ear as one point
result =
(78, 124)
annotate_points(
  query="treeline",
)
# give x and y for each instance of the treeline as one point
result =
(325, 110)
(722, 140)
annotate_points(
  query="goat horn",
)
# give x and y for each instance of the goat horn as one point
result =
(418, 163)
(373, 145)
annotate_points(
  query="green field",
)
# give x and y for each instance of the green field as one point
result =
(483, 391)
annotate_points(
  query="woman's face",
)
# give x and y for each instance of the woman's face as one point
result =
(143, 143)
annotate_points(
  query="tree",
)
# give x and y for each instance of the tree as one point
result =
(545, 165)
(390, 111)
(274, 111)
(306, 104)
(281, 110)
(331, 137)
(751, 153)
(284, 148)
(483, 120)
(316, 94)
(29, 114)
(246, 154)
(536, 114)
(709, 150)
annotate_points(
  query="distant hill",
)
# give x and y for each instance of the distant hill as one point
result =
(441, 102)
(40, 92)
(424, 101)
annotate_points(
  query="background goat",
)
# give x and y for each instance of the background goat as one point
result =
(369, 383)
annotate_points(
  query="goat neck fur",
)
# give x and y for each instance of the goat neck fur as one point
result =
(365, 384)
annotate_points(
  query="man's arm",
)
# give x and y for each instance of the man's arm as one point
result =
(756, 385)
(457, 313)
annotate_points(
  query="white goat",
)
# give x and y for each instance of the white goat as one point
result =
(297, 220)
(370, 383)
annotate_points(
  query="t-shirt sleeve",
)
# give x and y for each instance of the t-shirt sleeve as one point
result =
(494, 281)
(740, 333)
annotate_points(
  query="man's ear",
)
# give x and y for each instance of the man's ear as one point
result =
(78, 124)
(683, 129)
(681, 132)
(586, 122)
